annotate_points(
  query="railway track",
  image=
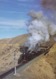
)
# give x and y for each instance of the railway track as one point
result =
(23, 64)
(19, 68)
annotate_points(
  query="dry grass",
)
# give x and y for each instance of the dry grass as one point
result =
(51, 58)
(7, 49)
(44, 68)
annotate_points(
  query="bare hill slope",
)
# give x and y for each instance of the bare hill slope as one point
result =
(44, 68)
(7, 49)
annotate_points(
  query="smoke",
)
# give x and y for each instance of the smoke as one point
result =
(49, 4)
(40, 29)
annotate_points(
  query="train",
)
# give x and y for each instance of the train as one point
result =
(27, 55)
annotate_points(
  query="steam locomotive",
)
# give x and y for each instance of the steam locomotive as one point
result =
(27, 55)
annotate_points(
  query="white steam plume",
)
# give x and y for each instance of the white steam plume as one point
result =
(40, 29)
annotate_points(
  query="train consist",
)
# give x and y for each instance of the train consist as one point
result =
(27, 55)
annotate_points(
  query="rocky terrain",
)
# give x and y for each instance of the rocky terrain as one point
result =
(9, 48)
(44, 68)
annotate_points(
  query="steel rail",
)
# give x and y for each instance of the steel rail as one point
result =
(3, 75)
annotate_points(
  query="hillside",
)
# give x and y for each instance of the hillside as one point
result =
(44, 68)
(7, 49)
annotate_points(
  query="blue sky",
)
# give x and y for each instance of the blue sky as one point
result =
(13, 16)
